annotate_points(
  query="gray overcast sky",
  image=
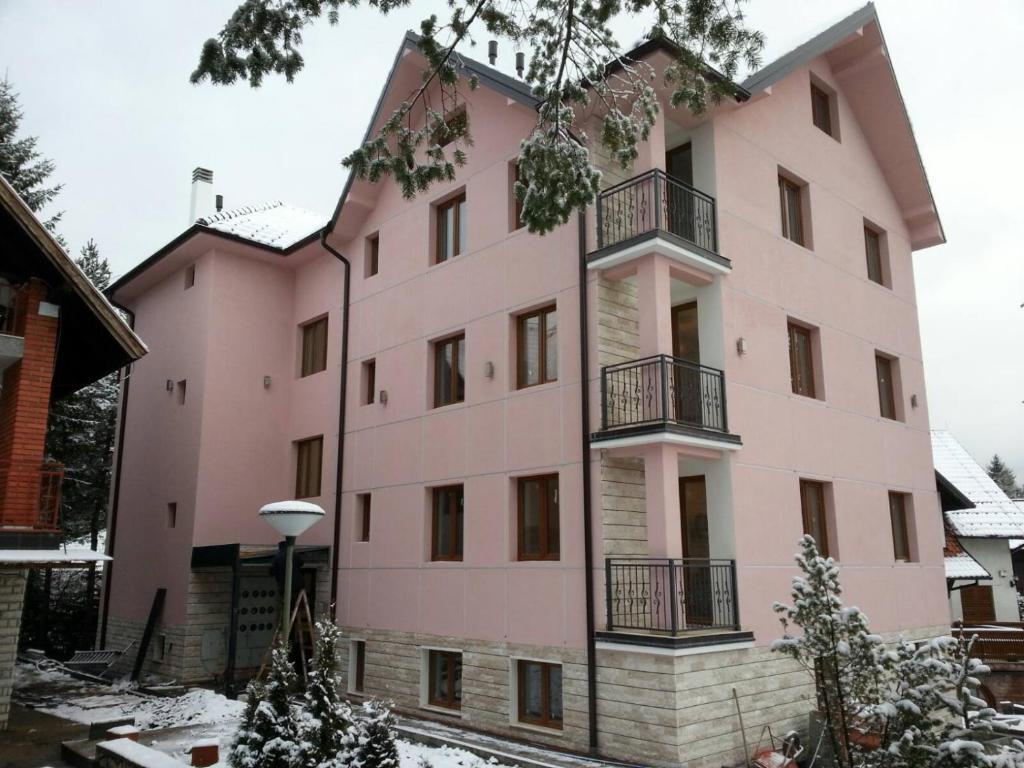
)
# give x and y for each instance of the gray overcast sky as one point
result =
(105, 86)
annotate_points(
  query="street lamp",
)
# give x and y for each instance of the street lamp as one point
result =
(291, 519)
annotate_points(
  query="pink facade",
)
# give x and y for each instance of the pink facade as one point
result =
(231, 447)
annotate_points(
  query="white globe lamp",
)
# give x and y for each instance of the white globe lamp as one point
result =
(291, 519)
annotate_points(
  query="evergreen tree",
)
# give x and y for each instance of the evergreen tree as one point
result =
(376, 746)
(328, 736)
(269, 734)
(21, 164)
(1003, 476)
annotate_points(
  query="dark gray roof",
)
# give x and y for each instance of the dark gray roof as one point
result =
(816, 46)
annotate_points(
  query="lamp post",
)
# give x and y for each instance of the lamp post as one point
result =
(291, 519)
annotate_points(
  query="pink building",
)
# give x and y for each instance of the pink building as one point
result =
(574, 467)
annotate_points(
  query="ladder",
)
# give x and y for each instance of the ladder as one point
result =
(300, 636)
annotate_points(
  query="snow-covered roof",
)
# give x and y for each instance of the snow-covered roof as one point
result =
(959, 564)
(990, 513)
(273, 223)
(57, 557)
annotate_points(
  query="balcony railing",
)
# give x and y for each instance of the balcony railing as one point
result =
(661, 390)
(30, 495)
(670, 596)
(656, 201)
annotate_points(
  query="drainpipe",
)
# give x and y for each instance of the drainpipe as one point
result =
(342, 392)
(108, 567)
(588, 545)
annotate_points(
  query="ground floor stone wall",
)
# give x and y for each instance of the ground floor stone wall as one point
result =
(12, 603)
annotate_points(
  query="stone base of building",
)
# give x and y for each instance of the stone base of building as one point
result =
(12, 602)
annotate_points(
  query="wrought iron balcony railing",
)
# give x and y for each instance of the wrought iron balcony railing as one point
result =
(670, 596)
(661, 390)
(655, 201)
(30, 495)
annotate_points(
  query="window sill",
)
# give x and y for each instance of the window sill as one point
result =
(434, 408)
(538, 728)
(535, 387)
(442, 710)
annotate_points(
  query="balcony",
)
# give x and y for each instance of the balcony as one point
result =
(656, 213)
(689, 601)
(30, 496)
(664, 395)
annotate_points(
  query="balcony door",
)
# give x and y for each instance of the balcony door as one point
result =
(693, 502)
(680, 204)
(686, 378)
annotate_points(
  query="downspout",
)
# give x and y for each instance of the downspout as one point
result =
(342, 392)
(108, 567)
(588, 544)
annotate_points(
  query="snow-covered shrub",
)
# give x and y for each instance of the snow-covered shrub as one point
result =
(375, 744)
(917, 702)
(329, 734)
(269, 734)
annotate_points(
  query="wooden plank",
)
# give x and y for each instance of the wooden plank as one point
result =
(154, 613)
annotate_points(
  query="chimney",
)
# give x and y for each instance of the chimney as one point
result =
(220, 203)
(520, 63)
(492, 51)
(201, 201)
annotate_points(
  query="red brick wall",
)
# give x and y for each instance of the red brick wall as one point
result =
(24, 407)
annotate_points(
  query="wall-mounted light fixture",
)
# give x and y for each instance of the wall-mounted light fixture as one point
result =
(383, 397)
(913, 401)
(489, 369)
(741, 346)
(267, 381)
(169, 386)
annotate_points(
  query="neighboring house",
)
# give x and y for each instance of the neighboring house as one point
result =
(242, 314)
(57, 334)
(575, 467)
(980, 521)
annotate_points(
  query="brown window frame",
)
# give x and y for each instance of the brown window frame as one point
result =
(314, 360)
(875, 265)
(822, 120)
(456, 204)
(369, 381)
(452, 397)
(364, 503)
(798, 386)
(452, 662)
(545, 550)
(372, 254)
(359, 683)
(824, 546)
(172, 514)
(542, 363)
(904, 526)
(180, 390)
(787, 185)
(455, 535)
(308, 487)
(190, 276)
(517, 204)
(443, 136)
(886, 381)
(546, 720)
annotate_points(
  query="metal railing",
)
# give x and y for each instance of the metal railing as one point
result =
(656, 201)
(30, 495)
(662, 389)
(670, 596)
(1002, 641)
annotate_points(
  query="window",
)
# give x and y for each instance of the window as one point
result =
(792, 210)
(159, 647)
(172, 514)
(801, 360)
(307, 467)
(455, 126)
(886, 386)
(538, 523)
(363, 505)
(537, 347)
(517, 204)
(444, 679)
(900, 530)
(314, 347)
(359, 664)
(190, 276)
(821, 109)
(812, 506)
(372, 254)
(873, 252)
(180, 388)
(540, 693)
(446, 525)
(369, 381)
(451, 228)
(450, 371)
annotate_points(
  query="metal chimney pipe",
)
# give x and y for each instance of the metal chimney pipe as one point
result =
(220, 203)
(520, 63)
(492, 51)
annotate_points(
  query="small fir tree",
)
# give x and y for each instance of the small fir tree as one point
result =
(1003, 476)
(328, 735)
(375, 747)
(269, 735)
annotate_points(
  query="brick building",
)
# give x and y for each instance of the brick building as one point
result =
(57, 334)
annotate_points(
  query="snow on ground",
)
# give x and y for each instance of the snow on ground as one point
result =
(413, 755)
